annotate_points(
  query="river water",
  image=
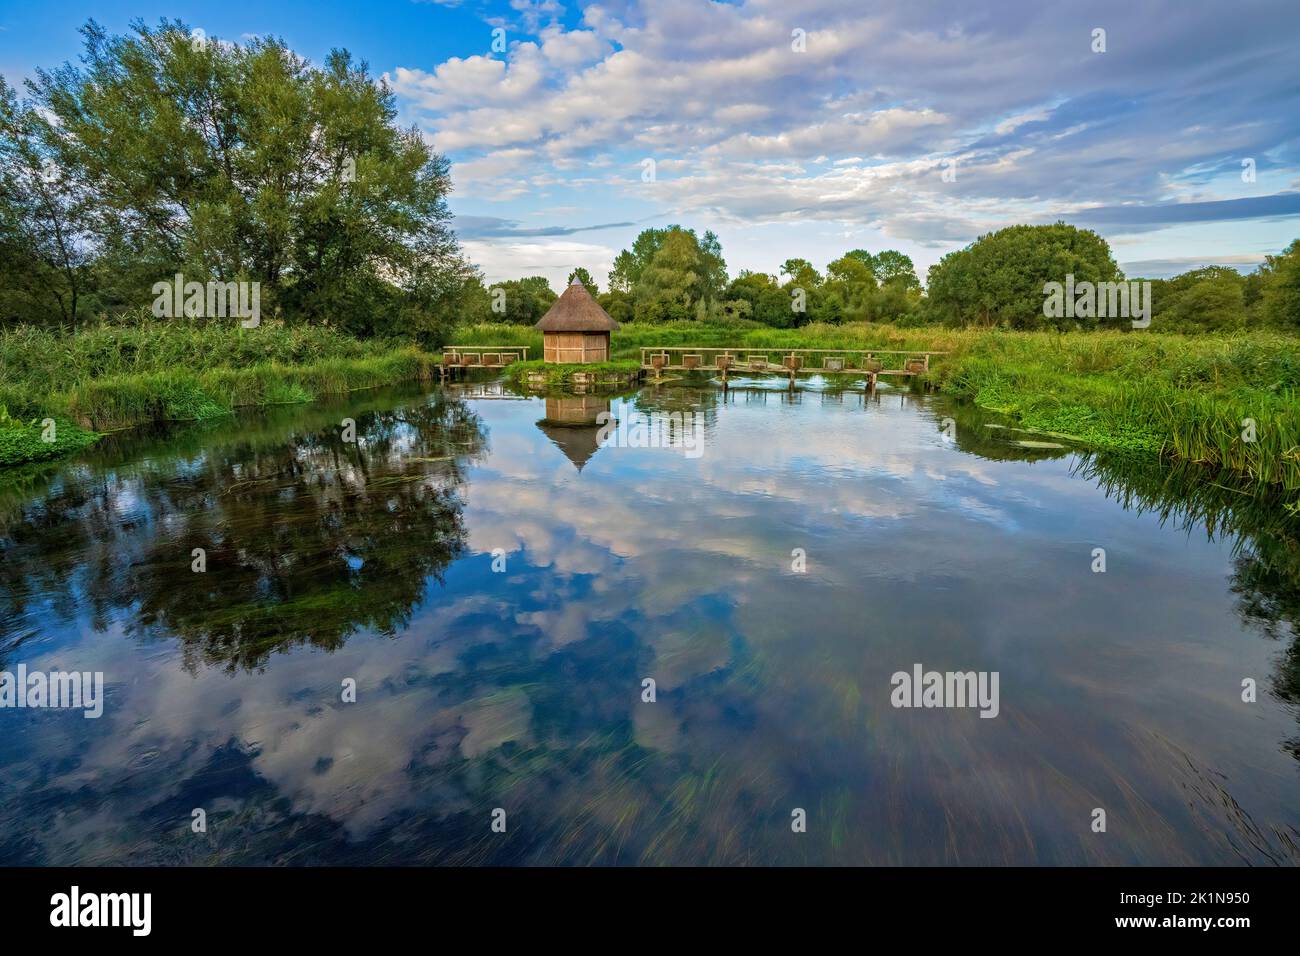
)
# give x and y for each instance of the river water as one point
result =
(500, 586)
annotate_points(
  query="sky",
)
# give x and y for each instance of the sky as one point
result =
(806, 128)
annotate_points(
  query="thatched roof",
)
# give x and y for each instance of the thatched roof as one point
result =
(576, 311)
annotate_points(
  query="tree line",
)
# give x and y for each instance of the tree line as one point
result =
(671, 274)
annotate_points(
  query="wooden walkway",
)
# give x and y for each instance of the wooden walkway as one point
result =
(459, 358)
(870, 363)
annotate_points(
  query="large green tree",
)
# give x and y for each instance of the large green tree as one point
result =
(999, 278)
(521, 301)
(233, 162)
(672, 282)
(672, 274)
(889, 266)
(849, 291)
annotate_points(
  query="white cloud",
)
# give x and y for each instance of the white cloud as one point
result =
(552, 258)
(854, 129)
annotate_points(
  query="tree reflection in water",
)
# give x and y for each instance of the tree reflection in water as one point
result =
(1264, 536)
(306, 540)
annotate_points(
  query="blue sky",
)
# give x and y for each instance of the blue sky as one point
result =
(842, 144)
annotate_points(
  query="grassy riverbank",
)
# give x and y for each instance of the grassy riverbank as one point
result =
(115, 377)
(1227, 401)
(1224, 401)
(560, 376)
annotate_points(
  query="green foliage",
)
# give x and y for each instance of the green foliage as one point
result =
(521, 301)
(121, 401)
(764, 300)
(672, 282)
(848, 293)
(1280, 289)
(618, 305)
(583, 276)
(22, 442)
(895, 268)
(671, 275)
(999, 278)
(233, 162)
(117, 376)
(42, 362)
(1210, 299)
(559, 376)
(889, 266)
(45, 267)
(1183, 397)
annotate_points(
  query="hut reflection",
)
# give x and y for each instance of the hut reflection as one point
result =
(573, 425)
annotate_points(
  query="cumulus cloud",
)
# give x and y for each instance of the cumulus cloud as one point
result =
(856, 126)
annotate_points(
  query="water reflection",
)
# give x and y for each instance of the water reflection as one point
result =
(573, 424)
(1264, 538)
(303, 539)
(498, 607)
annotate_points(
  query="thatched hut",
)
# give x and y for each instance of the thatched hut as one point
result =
(576, 329)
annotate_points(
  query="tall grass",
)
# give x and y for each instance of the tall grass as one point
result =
(122, 400)
(1225, 401)
(37, 363)
(117, 376)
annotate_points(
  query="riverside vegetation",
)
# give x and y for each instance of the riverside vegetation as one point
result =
(1227, 401)
(116, 377)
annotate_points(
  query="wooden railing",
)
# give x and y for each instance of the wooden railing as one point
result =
(680, 358)
(484, 356)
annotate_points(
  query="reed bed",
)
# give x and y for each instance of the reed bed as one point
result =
(115, 377)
